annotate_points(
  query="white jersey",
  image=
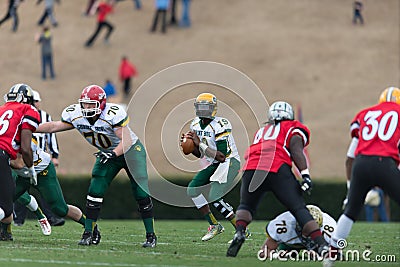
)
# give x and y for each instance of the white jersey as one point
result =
(217, 130)
(282, 229)
(101, 134)
(41, 160)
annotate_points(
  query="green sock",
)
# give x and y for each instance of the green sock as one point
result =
(211, 219)
(89, 225)
(82, 220)
(149, 225)
(39, 214)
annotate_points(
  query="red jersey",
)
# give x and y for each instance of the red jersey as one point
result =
(270, 148)
(103, 9)
(378, 130)
(14, 117)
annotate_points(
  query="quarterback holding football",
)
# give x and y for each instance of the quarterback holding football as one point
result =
(213, 140)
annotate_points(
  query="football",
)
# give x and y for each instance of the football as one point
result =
(187, 145)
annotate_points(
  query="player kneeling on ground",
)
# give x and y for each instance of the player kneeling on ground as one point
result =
(284, 234)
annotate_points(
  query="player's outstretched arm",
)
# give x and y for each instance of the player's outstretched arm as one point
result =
(53, 127)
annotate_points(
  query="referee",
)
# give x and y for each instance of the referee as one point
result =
(47, 142)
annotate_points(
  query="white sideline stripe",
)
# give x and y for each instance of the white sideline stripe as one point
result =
(87, 263)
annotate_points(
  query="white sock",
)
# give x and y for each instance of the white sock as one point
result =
(342, 231)
(33, 205)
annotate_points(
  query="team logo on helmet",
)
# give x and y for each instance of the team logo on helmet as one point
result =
(390, 94)
(92, 101)
(21, 93)
(206, 105)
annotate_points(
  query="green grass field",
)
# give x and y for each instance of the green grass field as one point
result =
(179, 244)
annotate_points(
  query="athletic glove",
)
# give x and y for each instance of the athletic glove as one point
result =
(33, 175)
(105, 155)
(306, 184)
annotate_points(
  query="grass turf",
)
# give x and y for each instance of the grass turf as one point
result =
(179, 244)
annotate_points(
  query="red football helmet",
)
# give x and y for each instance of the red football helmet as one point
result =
(92, 94)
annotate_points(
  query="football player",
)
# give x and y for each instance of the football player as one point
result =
(268, 167)
(214, 141)
(48, 186)
(284, 233)
(376, 161)
(105, 126)
(18, 120)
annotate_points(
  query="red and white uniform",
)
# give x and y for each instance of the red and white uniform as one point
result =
(270, 148)
(378, 130)
(14, 117)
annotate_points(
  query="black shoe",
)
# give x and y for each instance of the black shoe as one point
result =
(5, 236)
(96, 236)
(237, 242)
(86, 239)
(56, 221)
(151, 240)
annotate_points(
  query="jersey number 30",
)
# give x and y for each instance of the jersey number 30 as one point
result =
(384, 128)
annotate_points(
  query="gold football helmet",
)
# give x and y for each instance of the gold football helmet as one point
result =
(206, 105)
(316, 213)
(390, 94)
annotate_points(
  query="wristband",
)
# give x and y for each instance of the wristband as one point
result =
(203, 148)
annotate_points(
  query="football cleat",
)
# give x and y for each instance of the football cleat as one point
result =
(96, 236)
(151, 241)
(45, 226)
(6, 236)
(86, 239)
(248, 235)
(237, 242)
(212, 231)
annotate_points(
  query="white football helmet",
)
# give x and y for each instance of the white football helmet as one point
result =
(280, 111)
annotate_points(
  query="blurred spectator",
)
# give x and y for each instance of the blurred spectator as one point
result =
(138, 4)
(173, 20)
(12, 12)
(109, 88)
(104, 8)
(47, 52)
(126, 71)
(185, 20)
(161, 10)
(374, 201)
(48, 12)
(357, 8)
